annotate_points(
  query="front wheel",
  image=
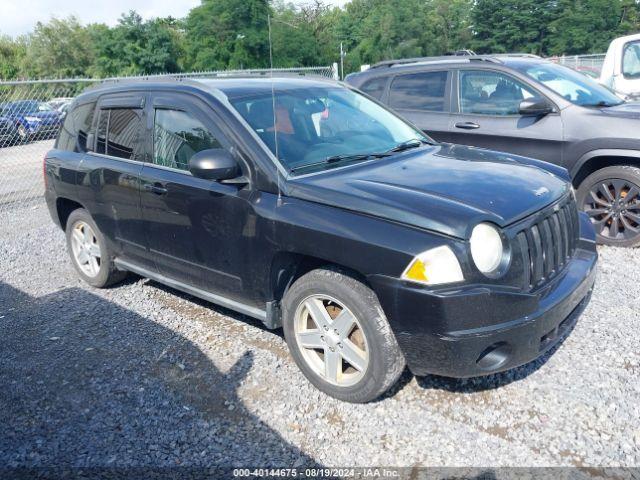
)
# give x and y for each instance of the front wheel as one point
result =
(339, 336)
(611, 198)
(21, 135)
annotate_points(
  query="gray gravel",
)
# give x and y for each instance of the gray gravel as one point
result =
(142, 375)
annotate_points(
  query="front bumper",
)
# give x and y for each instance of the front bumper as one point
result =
(43, 130)
(478, 330)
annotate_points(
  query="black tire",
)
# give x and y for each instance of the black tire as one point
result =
(611, 197)
(107, 273)
(385, 360)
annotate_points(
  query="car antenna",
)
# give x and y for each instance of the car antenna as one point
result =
(273, 106)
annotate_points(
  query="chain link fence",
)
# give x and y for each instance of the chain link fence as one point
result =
(32, 112)
(590, 65)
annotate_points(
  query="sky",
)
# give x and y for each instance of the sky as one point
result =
(20, 16)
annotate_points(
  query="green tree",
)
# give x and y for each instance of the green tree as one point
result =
(588, 26)
(224, 34)
(58, 48)
(12, 53)
(375, 30)
(135, 46)
(503, 26)
(449, 26)
(304, 35)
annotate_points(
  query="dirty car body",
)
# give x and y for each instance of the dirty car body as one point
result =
(333, 196)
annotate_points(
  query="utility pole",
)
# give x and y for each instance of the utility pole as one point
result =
(342, 55)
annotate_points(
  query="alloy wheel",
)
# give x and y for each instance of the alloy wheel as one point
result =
(86, 250)
(614, 208)
(332, 341)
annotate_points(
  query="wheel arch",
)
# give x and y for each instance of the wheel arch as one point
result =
(64, 208)
(287, 267)
(599, 159)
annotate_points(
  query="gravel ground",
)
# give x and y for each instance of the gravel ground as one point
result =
(21, 172)
(142, 375)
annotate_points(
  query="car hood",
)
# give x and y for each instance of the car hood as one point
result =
(624, 110)
(442, 188)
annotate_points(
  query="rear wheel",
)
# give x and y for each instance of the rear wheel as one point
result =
(89, 252)
(611, 198)
(339, 336)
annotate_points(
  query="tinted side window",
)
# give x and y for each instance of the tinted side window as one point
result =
(177, 136)
(73, 135)
(419, 91)
(67, 135)
(119, 133)
(83, 119)
(491, 93)
(374, 87)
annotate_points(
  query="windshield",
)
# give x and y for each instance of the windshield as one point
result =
(631, 60)
(319, 126)
(572, 85)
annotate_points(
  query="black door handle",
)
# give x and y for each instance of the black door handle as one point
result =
(156, 188)
(467, 125)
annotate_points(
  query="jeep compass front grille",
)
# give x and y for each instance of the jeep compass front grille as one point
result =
(547, 245)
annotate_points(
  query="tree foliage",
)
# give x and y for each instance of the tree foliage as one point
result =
(229, 34)
(588, 26)
(135, 46)
(60, 47)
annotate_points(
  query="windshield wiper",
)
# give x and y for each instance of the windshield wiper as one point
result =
(341, 158)
(409, 144)
(603, 103)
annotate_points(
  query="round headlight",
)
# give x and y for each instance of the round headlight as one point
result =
(486, 248)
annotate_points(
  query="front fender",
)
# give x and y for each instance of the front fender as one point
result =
(604, 152)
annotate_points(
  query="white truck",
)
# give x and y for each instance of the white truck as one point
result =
(621, 68)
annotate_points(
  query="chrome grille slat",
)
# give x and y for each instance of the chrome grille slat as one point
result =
(526, 259)
(546, 245)
(557, 238)
(547, 248)
(565, 234)
(537, 256)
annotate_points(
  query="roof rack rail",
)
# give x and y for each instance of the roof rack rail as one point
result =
(443, 58)
(516, 55)
(406, 61)
(494, 58)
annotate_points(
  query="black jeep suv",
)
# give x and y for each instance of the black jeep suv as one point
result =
(307, 205)
(527, 106)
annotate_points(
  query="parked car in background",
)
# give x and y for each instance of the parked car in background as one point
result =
(32, 119)
(527, 106)
(8, 131)
(591, 72)
(621, 68)
(61, 104)
(307, 205)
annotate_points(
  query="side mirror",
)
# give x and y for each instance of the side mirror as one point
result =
(536, 107)
(215, 164)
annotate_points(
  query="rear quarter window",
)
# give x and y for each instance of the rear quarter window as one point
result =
(74, 131)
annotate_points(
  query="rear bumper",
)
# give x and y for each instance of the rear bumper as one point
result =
(478, 330)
